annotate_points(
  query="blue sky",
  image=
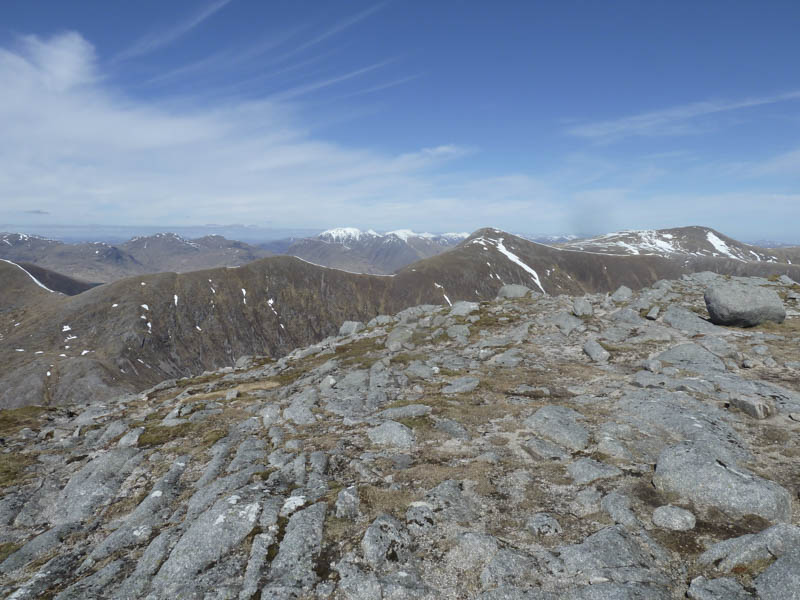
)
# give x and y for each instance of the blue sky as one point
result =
(538, 117)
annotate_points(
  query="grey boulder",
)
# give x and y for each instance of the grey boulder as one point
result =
(623, 294)
(386, 540)
(673, 518)
(351, 327)
(463, 308)
(743, 305)
(596, 352)
(581, 307)
(462, 385)
(392, 433)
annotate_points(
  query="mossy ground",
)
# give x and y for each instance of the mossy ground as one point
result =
(7, 549)
(191, 436)
(14, 419)
(13, 468)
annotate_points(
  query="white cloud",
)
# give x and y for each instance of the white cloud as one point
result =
(79, 148)
(677, 120)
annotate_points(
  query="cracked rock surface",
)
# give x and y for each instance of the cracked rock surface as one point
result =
(533, 447)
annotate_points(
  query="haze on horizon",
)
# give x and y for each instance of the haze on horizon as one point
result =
(544, 118)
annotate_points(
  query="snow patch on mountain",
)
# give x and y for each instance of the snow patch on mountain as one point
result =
(516, 260)
(343, 235)
(720, 246)
(36, 281)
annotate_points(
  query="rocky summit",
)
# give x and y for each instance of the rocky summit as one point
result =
(533, 447)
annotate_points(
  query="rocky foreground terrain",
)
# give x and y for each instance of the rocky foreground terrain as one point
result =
(533, 447)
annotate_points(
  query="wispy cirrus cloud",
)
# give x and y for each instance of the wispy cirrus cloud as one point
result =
(678, 120)
(784, 163)
(337, 28)
(163, 37)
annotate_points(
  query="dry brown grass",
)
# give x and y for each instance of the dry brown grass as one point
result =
(405, 358)
(431, 473)
(124, 505)
(360, 353)
(256, 386)
(187, 438)
(376, 500)
(7, 549)
(13, 468)
(14, 419)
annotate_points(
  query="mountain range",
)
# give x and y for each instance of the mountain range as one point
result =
(137, 331)
(344, 248)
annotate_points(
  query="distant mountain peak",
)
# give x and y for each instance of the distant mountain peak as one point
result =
(694, 240)
(353, 234)
(341, 235)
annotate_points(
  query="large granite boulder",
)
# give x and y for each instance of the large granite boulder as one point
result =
(743, 305)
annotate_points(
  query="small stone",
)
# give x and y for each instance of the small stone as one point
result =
(652, 314)
(586, 470)
(419, 517)
(397, 337)
(596, 352)
(409, 411)
(131, 438)
(392, 433)
(386, 540)
(587, 502)
(452, 428)
(756, 406)
(351, 327)
(348, 503)
(270, 415)
(673, 518)
(653, 365)
(460, 333)
(623, 294)
(581, 307)
(618, 507)
(462, 385)
(513, 290)
(463, 309)
(543, 524)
